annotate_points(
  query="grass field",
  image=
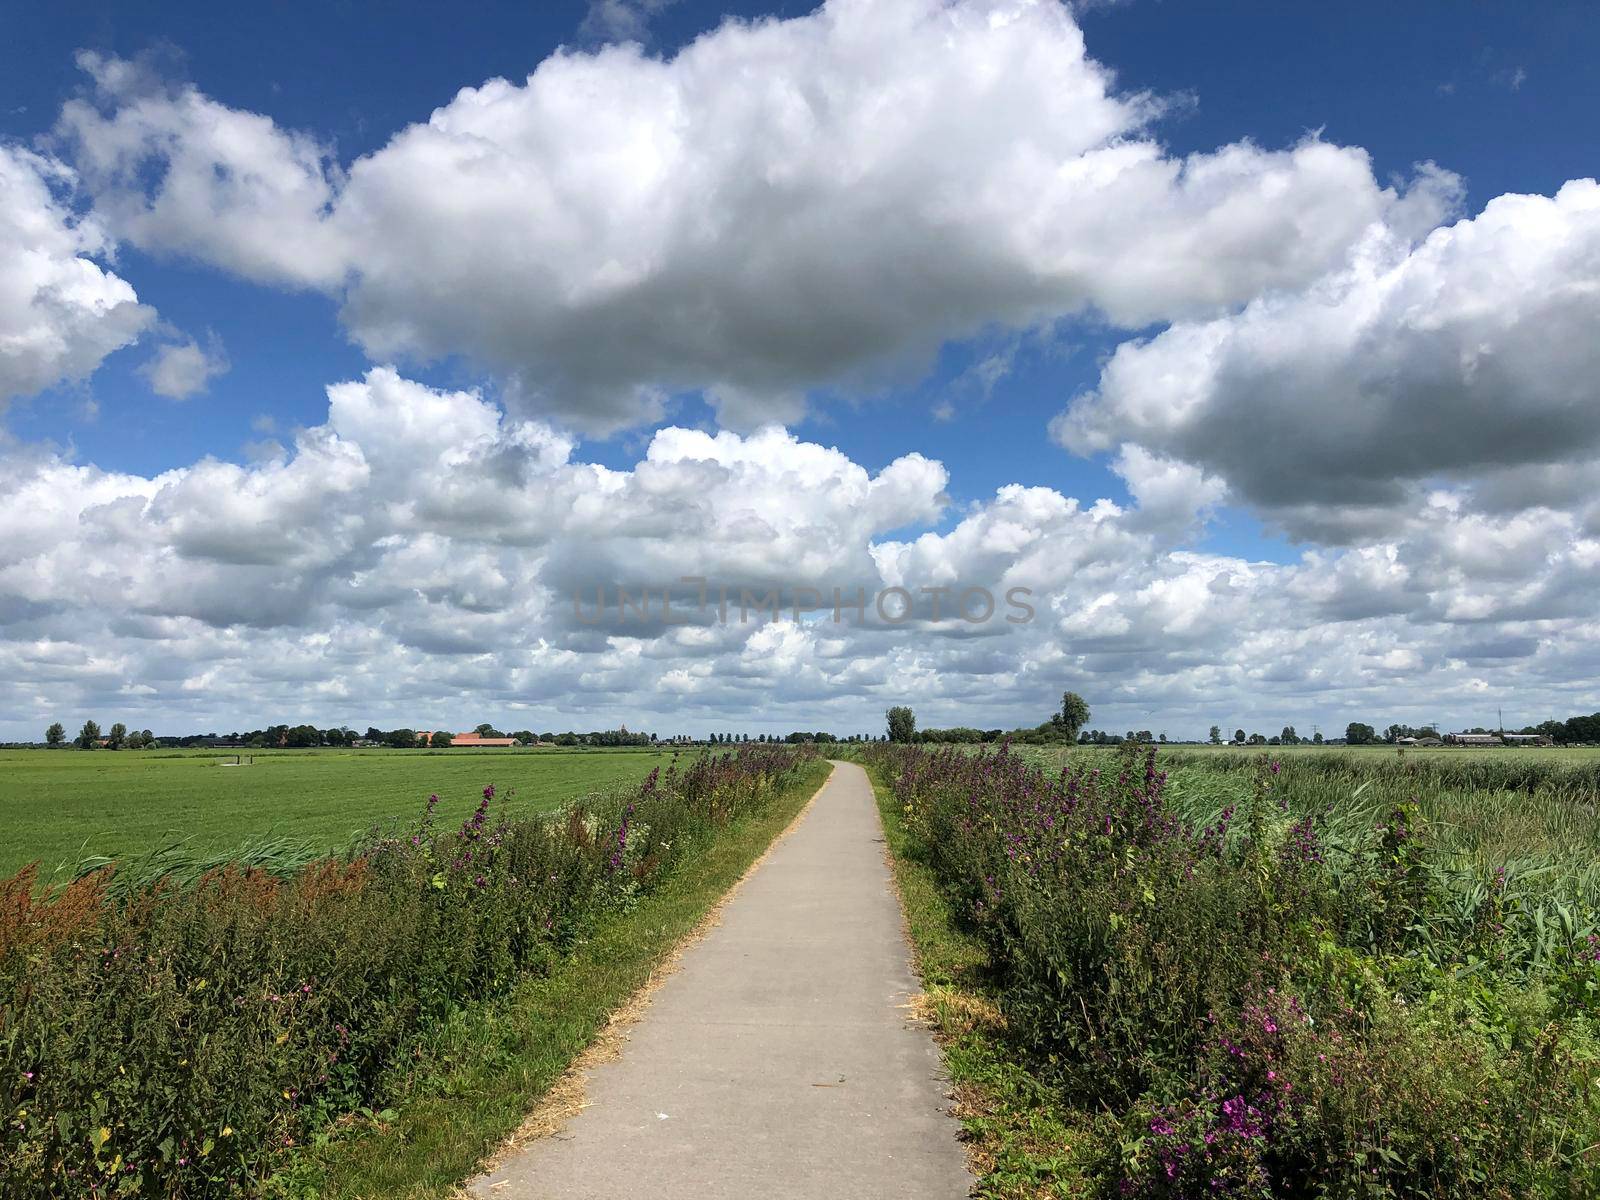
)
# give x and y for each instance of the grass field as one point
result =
(60, 807)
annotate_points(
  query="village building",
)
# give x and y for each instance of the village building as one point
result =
(474, 739)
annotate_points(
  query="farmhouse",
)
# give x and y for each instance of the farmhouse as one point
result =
(1474, 739)
(473, 739)
(1525, 739)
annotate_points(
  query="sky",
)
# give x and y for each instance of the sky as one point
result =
(349, 352)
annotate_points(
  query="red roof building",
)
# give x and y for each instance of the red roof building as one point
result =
(472, 739)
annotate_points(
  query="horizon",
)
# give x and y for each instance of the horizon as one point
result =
(1229, 368)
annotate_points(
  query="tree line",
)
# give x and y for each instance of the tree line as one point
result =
(118, 737)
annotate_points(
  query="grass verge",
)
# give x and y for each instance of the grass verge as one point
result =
(1022, 1141)
(475, 1080)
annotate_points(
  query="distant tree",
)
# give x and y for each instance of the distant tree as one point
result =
(1215, 736)
(401, 739)
(55, 735)
(487, 730)
(1238, 736)
(902, 724)
(118, 735)
(1358, 734)
(1289, 737)
(442, 740)
(1258, 739)
(1074, 714)
(1316, 738)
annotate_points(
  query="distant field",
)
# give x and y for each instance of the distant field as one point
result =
(58, 807)
(1544, 754)
(1534, 811)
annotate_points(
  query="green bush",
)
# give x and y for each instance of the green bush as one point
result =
(1274, 1003)
(170, 1039)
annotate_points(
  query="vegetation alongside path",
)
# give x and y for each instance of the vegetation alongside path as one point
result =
(473, 1083)
(1022, 1140)
(1292, 995)
(397, 1008)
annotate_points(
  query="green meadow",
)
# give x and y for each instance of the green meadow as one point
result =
(61, 807)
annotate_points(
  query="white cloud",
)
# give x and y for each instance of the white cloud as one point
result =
(181, 369)
(1471, 355)
(780, 206)
(418, 553)
(60, 312)
(621, 20)
(234, 189)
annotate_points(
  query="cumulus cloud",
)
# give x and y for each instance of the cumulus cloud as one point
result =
(1471, 355)
(231, 188)
(60, 312)
(781, 205)
(184, 368)
(419, 552)
(621, 20)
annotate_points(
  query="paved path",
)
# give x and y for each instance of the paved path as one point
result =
(777, 1062)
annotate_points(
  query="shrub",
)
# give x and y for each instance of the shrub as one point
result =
(1277, 1003)
(168, 1039)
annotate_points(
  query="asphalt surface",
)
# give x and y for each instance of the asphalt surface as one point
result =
(779, 1060)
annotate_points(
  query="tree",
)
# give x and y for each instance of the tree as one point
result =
(442, 740)
(1074, 714)
(55, 735)
(1238, 736)
(1357, 734)
(89, 734)
(902, 724)
(118, 735)
(1289, 737)
(1316, 738)
(1215, 736)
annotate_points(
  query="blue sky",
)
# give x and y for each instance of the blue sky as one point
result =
(1502, 96)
